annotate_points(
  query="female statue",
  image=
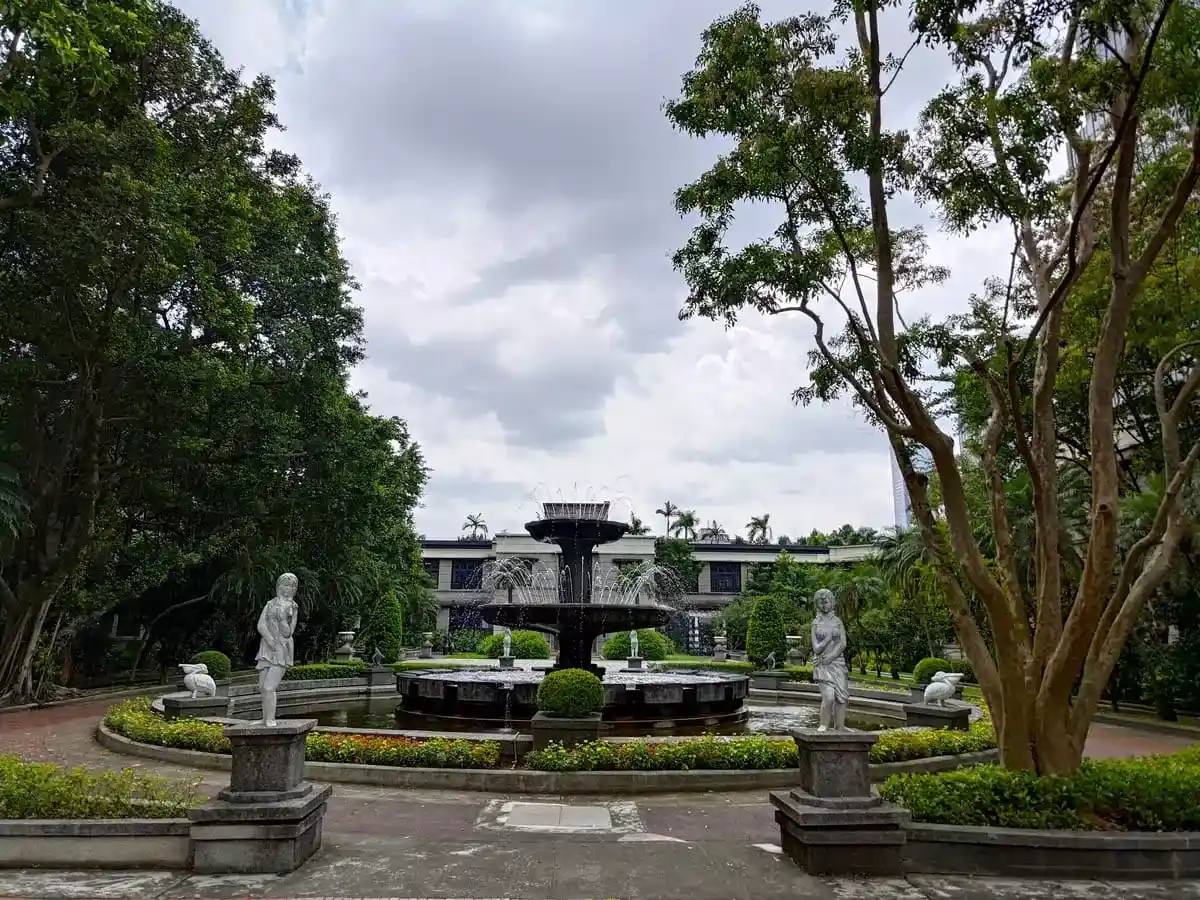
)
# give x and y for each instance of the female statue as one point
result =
(829, 662)
(276, 652)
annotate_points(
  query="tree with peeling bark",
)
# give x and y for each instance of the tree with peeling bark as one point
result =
(1037, 81)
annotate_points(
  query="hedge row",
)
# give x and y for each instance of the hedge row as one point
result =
(1156, 793)
(46, 791)
(355, 668)
(135, 720)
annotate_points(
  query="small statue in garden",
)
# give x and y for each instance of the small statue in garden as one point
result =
(377, 657)
(942, 687)
(829, 662)
(769, 663)
(633, 645)
(197, 680)
(507, 642)
(276, 650)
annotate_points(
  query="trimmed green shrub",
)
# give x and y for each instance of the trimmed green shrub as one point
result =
(899, 746)
(798, 673)
(217, 662)
(652, 645)
(383, 628)
(963, 667)
(355, 668)
(525, 645)
(135, 720)
(719, 665)
(570, 694)
(466, 640)
(1157, 793)
(765, 634)
(924, 671)
(46, 791)
(707, 752)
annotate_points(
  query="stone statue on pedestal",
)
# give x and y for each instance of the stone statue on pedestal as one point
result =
(829, 662)
(276, 651)
(633, 645)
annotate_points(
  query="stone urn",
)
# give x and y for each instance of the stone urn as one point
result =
(427, 645)
(345, 652)
(720, 647)
(795, 652)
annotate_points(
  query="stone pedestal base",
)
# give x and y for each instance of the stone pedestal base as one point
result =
(927, 715)
(548, 730)
(381, 676)
(268, 820)
(835, 764)
(865, 836)
(767, 679)
(182, 706)
(426, 653)
(719, 655)
(634, 663)
(917, 693)
(506, 662)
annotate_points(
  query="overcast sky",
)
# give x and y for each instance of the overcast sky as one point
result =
(503, 176)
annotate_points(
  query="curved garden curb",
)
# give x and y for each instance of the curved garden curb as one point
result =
(1017, 852)
(95, 843)
(525, 781)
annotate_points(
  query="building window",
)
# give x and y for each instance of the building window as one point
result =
(725, 578)
(463, 617)
(432, 568)
(465, 574)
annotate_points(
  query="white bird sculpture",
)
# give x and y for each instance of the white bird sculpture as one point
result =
(197, 680)
(942, 687)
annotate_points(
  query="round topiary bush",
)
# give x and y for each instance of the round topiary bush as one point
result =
(217, 662)
(651, 645)
(924, 671)
(963, 668)
(525, 645)
(570, 694)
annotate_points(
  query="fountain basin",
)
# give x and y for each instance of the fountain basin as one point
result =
(657, 700)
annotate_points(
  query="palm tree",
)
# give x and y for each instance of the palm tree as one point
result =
(668, 511)
(713, 532)
(758, 529)
(475, 527)
(685, 525)
(637, 526)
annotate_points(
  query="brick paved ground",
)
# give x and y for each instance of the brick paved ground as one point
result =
(383, 842)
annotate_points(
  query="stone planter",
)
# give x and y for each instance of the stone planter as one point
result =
(568, 732)
(345, 652)
(427, 645)
(795, 654)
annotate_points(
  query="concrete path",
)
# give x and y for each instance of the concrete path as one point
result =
(393, 843)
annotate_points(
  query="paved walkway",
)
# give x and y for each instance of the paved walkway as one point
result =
(385, 842)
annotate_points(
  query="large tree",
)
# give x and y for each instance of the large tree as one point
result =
(1093, 81)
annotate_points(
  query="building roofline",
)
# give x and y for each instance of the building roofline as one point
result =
(699, 546)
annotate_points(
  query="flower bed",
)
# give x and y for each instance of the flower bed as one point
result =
(46, 791)
(133, 719)
(706, 752)
(1157, 793)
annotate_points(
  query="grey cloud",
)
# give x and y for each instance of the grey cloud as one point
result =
(550, 409)
(829, 430)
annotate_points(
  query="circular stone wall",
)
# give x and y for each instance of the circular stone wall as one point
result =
(498, 696)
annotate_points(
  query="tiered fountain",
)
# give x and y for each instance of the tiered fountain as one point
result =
(577, 610)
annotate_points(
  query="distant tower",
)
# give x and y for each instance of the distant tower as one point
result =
(901, 502)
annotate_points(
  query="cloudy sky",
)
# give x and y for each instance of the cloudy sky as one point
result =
(503, 177)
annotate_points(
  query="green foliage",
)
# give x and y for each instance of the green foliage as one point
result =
(652, 645)
(964, 668)
(675, 555)
(187, 330)
(466, 640)
(525, 645)
(355, 668)
(898, 746)
(765, 633)
(708, 752)
(570, 694)
(134, 719)
(718, 665)
(924, 671)
(46, 791)
(383, 627)
(1158, 793)
(217, 663)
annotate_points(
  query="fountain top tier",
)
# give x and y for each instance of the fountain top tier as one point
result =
(576, 528)
(581, 525)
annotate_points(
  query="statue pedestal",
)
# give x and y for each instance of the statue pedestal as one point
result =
(182, 706)
(834, 823)
(927, 715)
(506, 662)
(268, 821)
(720, 654)
(633, 664)
(381, 676)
